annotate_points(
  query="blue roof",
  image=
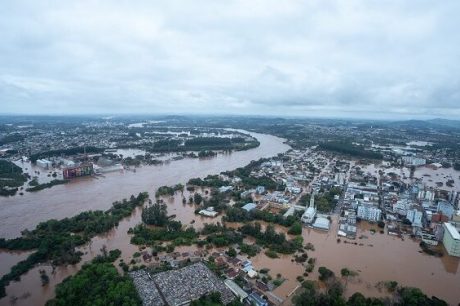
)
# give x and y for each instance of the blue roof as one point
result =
(257, 298)
(249, 206)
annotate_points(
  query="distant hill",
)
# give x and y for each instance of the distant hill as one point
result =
(439, 124)
(445, 122)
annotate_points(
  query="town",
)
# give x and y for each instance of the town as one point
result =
(266, 231)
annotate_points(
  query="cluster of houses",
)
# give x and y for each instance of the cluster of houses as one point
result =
(373, 197)
(253, 290)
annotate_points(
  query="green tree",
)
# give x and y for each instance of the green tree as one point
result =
(197, 198)
(325, 274)
(295, 229)
(231, 252)
(156, 214)
(96, 284)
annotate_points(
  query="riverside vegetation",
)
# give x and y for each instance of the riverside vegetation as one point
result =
(56, 240)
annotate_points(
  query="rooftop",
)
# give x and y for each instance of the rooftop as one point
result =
(249, 206)
(452, 231)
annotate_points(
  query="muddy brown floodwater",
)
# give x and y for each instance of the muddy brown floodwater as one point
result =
(376, 257)
(20, 212)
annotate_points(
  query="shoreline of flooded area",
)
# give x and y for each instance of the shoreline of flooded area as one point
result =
(376, 257)
(20, 212)
(92, 193)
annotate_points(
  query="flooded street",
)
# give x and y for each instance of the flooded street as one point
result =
(377, 257)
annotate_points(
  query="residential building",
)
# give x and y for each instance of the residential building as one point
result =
(369, 212)
(446, 209)
(257, 300)
(451, 240)
(208, 212)
(415, 217)
(240, 293)
(250, 206)
(225, 188)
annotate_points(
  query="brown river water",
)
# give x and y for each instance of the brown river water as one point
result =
(20, 212)
(380, 257)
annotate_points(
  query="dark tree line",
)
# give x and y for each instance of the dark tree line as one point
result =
(349, 149)
(70, 151)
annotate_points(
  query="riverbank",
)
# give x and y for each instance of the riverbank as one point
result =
(89, 194)
(25, 212)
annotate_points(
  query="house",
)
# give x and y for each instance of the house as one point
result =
(231, 273)
(246, 263)
(225, 188)
(208, 212)
(252, 273)
(256, 299)
(250, 206)
(435, 166)
(240, 293)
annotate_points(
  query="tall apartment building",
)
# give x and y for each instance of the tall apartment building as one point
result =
(451, 240)
(369, 212)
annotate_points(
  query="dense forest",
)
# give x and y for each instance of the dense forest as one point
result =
(10, 139)
(97, 284)
(203, 144)
(11, 177)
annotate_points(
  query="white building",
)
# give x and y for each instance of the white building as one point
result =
(369, 212)
(413, 161)
(208, 212)
(240, 293)
(225, 188)
(322, 223)
(310, 213)
(44, 163)
(402, 206)
(415, 217)
(451, 240)
(426, 195)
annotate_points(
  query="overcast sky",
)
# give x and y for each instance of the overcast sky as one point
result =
(376, 59)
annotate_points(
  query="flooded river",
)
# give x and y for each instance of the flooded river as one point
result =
(20, 212)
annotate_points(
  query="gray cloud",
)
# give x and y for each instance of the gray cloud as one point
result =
(317, 58)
